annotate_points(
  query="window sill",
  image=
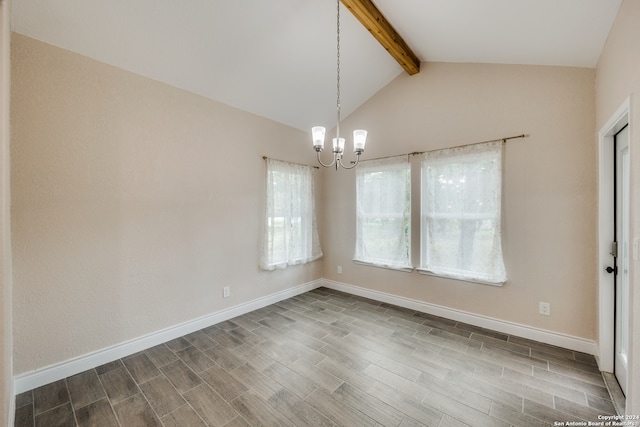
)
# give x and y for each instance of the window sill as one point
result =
(388, 267)
(461, 279)
(428, 273)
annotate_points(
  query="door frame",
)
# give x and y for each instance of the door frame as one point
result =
(606, 281)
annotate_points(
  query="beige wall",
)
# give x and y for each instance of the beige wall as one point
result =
(134, 203)
(618, 77)
(6, 334)
(549, 186)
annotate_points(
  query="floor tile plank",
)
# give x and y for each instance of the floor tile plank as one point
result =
(337, 411)
(223, 383)
(318, 376)
(85, 388)
(515, 417)
(461, 412)
(200, 340)
(141, 367)
(210, 406)
(262, 385)
(118, 384)
(297, 411)
(97, 414)
(463, 395)
(182, 378)
(24, 416)
(60, 416)
(162, 396)
(195, 359)
(136, 412)
(291, 380)
(258, 412)
(575, 395)
(161, 355)
(183, 416)
(50, 396)
(224, 357)
(374, 408)
(419, 411)
(548, 414)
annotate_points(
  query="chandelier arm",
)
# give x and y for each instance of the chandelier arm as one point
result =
(325, 165)
(353, 164)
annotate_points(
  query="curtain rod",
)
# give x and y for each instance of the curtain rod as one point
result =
(505, 139)
(293, 163)
(417, 153)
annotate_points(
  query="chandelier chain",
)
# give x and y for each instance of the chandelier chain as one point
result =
(318, 132)
(338, 60)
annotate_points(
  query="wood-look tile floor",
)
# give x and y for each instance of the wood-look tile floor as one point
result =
(326, 358)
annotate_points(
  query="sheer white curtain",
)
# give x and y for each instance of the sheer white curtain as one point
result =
(460, 221)
(383, 213)
(290, 234)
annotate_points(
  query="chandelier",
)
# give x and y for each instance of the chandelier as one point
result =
(317, 132)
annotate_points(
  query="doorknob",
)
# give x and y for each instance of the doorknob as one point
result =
(611, 270)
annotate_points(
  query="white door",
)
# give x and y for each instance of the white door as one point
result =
(622, 258)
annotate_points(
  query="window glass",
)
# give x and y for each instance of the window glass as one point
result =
(290, 236)
(383, 218)
(460, 213)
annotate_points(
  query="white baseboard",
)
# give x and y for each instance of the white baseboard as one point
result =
(58, 371)
(541, 335)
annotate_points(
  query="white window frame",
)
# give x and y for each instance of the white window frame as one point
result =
(290, 199)
(491, 155)
(399, 260)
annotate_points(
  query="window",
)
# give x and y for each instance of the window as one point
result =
(383, 218)
(291, 236)
(460, 214)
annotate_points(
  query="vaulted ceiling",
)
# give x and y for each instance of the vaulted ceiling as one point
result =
(277, 58)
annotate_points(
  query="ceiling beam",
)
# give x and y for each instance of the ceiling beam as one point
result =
(374, 21)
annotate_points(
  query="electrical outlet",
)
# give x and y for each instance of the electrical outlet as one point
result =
(226, 292)
(544, 308)
(339, 269)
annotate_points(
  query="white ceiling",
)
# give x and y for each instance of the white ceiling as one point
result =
(277, 58)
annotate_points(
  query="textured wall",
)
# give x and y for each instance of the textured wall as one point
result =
(134, 203)
(549, 219)
(618, 77)
(6, 335)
